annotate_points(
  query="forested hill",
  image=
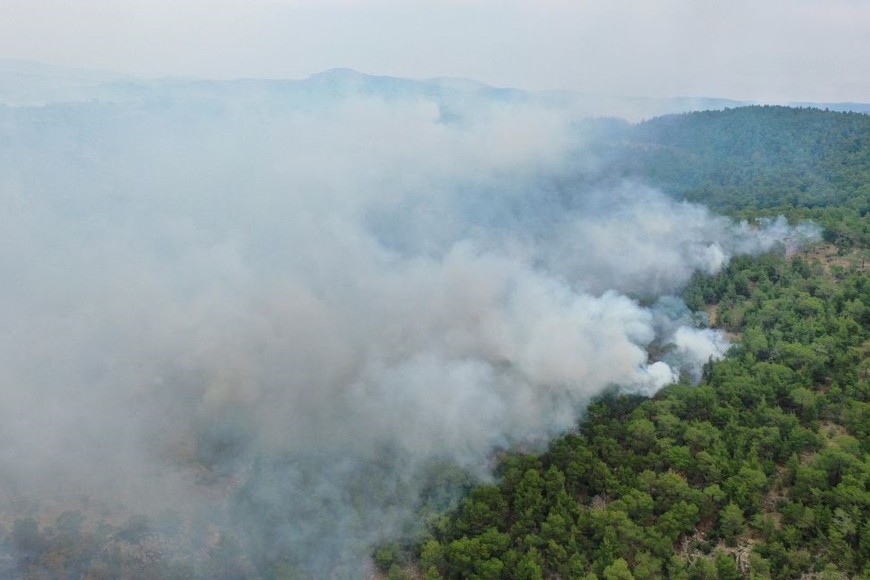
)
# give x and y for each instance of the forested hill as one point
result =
(758, 157)
(762, 470)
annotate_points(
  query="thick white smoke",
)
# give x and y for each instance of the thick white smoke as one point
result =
(199, 285)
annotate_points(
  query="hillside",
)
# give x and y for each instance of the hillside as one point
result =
(749, 158)
(761, 471)
(749, 162)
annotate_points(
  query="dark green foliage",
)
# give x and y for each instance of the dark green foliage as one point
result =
(387, 556)
(768, 457)
(754, 158)
(751, 162)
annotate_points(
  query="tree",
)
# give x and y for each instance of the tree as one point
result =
(731, 523)
(618, 571)
(726, 567)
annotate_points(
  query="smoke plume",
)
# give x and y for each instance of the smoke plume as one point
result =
(281, 315)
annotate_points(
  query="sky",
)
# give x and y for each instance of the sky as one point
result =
(776, 50)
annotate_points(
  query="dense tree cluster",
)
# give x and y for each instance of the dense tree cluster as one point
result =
(761, 471)
(748, 162)
(754, 157)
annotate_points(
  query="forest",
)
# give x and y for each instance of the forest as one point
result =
(754, 161)
(763, 469)
(760, 470)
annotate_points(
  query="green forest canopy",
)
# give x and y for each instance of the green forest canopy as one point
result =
(762, 470)
(752, 161)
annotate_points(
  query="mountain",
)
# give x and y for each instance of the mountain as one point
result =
(24, 83)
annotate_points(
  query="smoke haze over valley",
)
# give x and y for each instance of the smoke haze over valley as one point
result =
(272, 310)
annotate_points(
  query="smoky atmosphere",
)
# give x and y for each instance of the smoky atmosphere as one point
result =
(261, 318)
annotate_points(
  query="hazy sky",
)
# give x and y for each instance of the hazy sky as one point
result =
(744, 49)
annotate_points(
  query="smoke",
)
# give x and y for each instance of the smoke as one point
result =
(281, 315)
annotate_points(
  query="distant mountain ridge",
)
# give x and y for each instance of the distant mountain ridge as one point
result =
(25, 83)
